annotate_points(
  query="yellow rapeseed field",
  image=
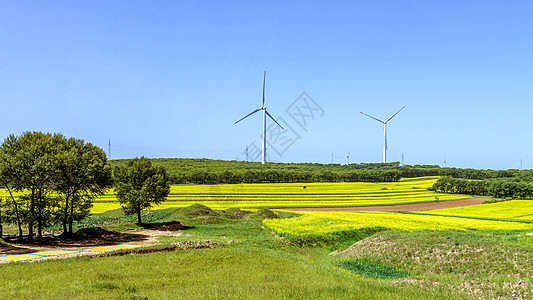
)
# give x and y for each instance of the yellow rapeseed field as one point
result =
(515, 209)
(317, 223)
(281, 195)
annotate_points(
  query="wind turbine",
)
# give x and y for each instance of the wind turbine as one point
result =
(384, 131)
(265, 114)
(348, 157)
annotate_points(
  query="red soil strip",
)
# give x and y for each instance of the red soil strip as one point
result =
(401, 207)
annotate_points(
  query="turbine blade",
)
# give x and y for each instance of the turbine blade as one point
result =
(264, 80)
(394, 114)
(274, 119)
(372, 117)
(253, 112)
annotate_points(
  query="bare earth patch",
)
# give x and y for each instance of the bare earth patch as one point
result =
(143, 238)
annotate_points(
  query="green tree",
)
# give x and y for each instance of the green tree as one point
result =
(84, 173)
(30, 161)
(139, 185)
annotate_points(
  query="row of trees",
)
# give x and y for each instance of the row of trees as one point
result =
(51, 179)
(208, 171)
(280, 176)
(499, 188)
(430, 170)
(461, 186)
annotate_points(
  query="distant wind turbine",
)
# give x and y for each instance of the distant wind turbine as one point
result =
(348, 157)
(265, 114)
(384, 131)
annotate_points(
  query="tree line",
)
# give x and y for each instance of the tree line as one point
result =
(514, 188)
(208, 171)
(283, 176)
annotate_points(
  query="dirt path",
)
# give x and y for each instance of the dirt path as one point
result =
(401, 207)
(29, 252)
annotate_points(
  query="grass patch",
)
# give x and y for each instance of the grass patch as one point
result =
(372, 270)
(332, 241)
(495, 200)
(466, 255)
(228, 273)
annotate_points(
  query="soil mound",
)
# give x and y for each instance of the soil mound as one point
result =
(264, 213)
(93, 232)
(198, 210)
(235, 213)
(172, 226)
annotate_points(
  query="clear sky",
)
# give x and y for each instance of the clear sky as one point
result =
(170, 78)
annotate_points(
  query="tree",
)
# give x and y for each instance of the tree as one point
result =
(5, 180)
(139, 185)
(42, 167)
(30, 161)
(84, 173)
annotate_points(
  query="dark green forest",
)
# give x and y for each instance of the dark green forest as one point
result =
(208, 171)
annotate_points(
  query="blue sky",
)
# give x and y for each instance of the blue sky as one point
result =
(170, 78)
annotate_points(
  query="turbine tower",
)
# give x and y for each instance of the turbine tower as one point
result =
(348, 157)
(265, 114)
(384, 131)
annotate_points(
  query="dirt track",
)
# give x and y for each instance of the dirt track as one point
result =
(402, 207)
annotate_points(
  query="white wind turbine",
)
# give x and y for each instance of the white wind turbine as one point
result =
(265, 114)
(384, 132)
(348, 157)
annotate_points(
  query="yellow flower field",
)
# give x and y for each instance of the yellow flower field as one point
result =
(515, 209)
(281, 195)
(315, 223)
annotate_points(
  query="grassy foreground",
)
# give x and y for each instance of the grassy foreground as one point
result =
(227, 273)
(247, 262)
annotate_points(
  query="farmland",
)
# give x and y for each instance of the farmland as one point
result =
(284, 195)
(330, 222)
(511, 210)
(257, 253)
